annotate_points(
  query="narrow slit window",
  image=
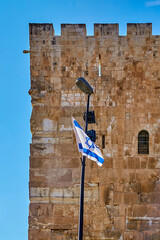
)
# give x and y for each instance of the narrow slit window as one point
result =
(143, 142)
(99, 65)
(103, 141)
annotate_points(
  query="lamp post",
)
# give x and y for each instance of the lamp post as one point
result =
(87, 89)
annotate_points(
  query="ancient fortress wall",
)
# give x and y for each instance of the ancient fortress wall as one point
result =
(122, 198)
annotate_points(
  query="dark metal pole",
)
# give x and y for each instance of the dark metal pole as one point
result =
(80, 236)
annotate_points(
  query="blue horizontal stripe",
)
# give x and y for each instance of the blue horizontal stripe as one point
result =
(77, 125)
(92, 154)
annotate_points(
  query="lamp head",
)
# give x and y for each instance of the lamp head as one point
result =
(84, 86)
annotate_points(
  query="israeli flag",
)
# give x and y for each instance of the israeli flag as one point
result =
(85, 145)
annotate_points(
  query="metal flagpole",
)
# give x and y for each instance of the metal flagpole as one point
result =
(80, 236)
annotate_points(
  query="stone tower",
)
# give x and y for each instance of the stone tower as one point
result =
(122, 198)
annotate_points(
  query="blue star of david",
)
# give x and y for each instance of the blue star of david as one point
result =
(89, 143)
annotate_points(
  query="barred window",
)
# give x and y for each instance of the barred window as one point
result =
(143, 142)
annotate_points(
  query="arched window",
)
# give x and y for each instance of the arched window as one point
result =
(143, 142)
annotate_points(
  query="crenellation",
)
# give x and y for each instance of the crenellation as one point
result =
(73, 30)
(139, 29)
(101, 30)
(41, 29)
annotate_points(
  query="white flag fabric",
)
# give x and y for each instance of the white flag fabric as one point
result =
(85, 144)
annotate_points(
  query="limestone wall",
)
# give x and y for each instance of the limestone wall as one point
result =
(122, 198)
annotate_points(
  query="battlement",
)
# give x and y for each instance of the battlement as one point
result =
(100, 30)
(73, 30)
(137, 29)
(106, 29)
(41, 29)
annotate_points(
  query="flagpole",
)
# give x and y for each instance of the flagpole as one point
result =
(80, 236)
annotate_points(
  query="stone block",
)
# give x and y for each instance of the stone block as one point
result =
(133, 235)
(152, 162)
(136, 187)
(131, 198)
(131, 162)
(118, 198)
(155, 198)
(153, 210)
(147, 187)
(151, 235)
(157, 186)
(139, 210)
(132, 225)
(36, 234)
(120, 223)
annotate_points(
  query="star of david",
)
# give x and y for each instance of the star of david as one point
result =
(89, 143)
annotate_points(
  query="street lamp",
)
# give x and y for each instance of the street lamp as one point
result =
(84, 86)
(87, 89)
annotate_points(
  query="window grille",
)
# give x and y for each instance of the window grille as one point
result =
(143, 142)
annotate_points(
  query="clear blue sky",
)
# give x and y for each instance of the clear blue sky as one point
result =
(15, 107)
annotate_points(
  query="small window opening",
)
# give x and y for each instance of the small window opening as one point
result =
(99, 65)
(143, 142)
(103, 141)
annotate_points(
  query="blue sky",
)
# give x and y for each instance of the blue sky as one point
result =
(15, 107)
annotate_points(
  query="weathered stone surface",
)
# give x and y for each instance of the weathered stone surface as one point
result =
(122, 199)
